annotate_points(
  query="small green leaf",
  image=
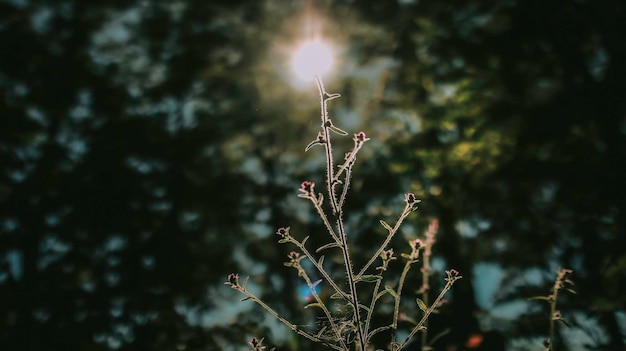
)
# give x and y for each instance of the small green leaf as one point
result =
(320, 261)
(313, 143)
(387, 226)
(336, 295)
(327, 246)
(421, 304)
(391, 291)
(320, 199)
(380, 294)
(337, 181)
(313, 305)
(337, 130)
(304, 240)
(316, 283)
(371, 278)
(329, 97)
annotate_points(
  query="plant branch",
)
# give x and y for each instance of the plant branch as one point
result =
(234, 283)
(407, 209)
(453, 276)
(320, 303)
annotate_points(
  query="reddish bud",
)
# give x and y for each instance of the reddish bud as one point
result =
(416, 244)
(307, 187)
(453, 275)
(360, 137)
(282, 232)
(320, 137)
(233, 279)
(411, 199)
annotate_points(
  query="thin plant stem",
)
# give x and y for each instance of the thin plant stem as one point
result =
(331, 182)
(330, 179)
(324, 218)
(396, 309)
(346, 185)
(429, 242)
(375, 297)
(559, 283)
(405, 212)
(352, 286)
(321, 304)
(319, 267)
(427, 313)
(425, 296)
(293, 327)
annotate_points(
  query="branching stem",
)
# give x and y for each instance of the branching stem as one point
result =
(290, 325)
(405, 212)
(331, 181)
(427, 313)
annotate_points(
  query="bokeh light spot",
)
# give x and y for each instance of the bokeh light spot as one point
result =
(312, 58)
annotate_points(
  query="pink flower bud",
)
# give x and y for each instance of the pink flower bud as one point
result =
(360, 137)
(282, 232)
(307, 187)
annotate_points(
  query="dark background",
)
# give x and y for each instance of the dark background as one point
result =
(149, 148)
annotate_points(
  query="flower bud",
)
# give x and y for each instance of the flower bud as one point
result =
(293, 256)
(411, 199)
(282, 232)
(233, 279)
(360, 137)
(307, 187)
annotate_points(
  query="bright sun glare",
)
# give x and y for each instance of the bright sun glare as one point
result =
(312, 58)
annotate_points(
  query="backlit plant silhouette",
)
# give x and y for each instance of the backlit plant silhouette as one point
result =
(562, 282)
(356, 331)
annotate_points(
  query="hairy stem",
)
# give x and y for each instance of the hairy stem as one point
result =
(331, 182)
(396, 309)
(321, 304)
(352, 285)
(319, 267)
(405, 212)
(324, 218)
(383, 268)
(290, 325)
(425, 296)
(330, 178)
(427, 313)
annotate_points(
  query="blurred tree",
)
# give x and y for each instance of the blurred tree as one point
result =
(118, 209)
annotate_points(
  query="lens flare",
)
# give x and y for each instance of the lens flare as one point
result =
(312, 58)
(304, 293)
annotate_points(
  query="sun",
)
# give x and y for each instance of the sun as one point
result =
(312, 58)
